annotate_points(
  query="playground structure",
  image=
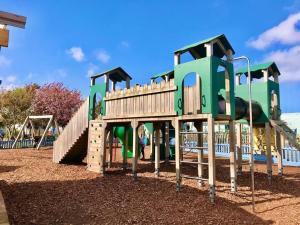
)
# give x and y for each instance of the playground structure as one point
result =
(213, 99)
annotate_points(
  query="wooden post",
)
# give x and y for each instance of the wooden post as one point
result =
(157, 149)
(110, 143)
(199, 127)
(176, 59)
(103, 148)
(135, 147)
(125, 148)
(211, 158)
(237, 80)
(268, 151)
(239, 149)
(232, 156)
(279, 152)
(266, 75)
(167, 141)
(151, 144)
(178, 152)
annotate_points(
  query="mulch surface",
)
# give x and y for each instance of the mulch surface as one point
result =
(37, 191)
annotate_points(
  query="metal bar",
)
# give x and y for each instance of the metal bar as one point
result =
(193, 147)
(45, 131)
(19, 134)
(193, 178)
(194, 132)
(190, 162)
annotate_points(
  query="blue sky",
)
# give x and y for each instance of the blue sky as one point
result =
(68, 40)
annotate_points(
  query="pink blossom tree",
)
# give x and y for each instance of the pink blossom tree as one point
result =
(57, 100)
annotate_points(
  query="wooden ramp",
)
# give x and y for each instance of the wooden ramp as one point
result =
(286, 131)
(71, 145)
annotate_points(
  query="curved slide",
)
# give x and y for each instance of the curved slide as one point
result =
(119, 132)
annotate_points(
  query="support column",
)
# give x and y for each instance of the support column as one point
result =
(167, 141)
(135, 145)
(157, 149)
(239, 149)
(211, 158)
(199, 127)
(279, 152)
(110, 144)
(152, 144)
(268, 151)
(178, 153)
(125, 148)
(232, 156)
(103, 148)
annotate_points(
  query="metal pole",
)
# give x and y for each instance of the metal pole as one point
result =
(251, 159)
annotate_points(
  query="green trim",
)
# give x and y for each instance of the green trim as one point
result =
(101, 89)
(166, 73)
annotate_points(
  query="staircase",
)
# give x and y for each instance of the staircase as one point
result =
(287, 132)
(71, 145)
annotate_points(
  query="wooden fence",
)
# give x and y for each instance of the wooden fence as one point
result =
(141, 101)
(27, 143)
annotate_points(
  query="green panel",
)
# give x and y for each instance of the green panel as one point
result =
(97, 88)
(149, 127)
(262, 93)
(212, 82)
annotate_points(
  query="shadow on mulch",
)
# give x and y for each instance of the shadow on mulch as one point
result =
(5, 169)
(115, 199)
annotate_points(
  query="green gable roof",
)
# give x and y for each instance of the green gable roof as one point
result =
(256, 70)
(198, 48)
(116, 74)
(169, 73)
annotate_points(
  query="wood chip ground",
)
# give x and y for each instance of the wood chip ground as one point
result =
(37, 191)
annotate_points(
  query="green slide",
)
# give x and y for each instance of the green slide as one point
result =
(119, 132)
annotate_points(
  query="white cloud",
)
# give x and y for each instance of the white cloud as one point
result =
(91, 70)
(8, 82)
(103, 56)
(284, 33)
(76, 53)
(60, 72)
(125, 44)
(4, 61)
(287, 61)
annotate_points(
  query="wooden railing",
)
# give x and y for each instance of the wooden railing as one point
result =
(141, 101)
(72, 132)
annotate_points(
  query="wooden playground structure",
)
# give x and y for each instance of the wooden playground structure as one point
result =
(217, 97)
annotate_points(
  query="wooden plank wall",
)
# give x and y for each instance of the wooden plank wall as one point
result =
(142, 101)
(72, 132)
(192, 104)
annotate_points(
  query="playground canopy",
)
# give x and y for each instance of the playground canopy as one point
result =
(257, 70)
(198, 49)
(169, 74)
(116, 75)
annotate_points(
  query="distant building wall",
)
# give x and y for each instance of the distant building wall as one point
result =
(292, 120)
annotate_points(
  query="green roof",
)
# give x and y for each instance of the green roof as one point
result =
(115, 74)
(169, 73)
(198, 48)
(256, 70)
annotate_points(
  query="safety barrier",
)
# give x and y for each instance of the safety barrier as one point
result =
(26, 143)
(290, 156)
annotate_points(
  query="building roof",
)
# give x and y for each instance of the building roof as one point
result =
(116, 74)
(198, 49)
(169, 73)
(256, 70)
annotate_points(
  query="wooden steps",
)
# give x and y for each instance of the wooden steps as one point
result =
(71, 145)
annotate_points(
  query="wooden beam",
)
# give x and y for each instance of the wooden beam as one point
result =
(12, 19)
(134, 125)
(178, 153)
(199, 127)
(232, 156)
(176, 59)
(211, 158)
(279, 149)
(268, 150)
(110, 146)
(157, 149)
(167, 141)
(103, 148)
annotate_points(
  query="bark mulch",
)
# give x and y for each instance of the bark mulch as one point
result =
(37, 191)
